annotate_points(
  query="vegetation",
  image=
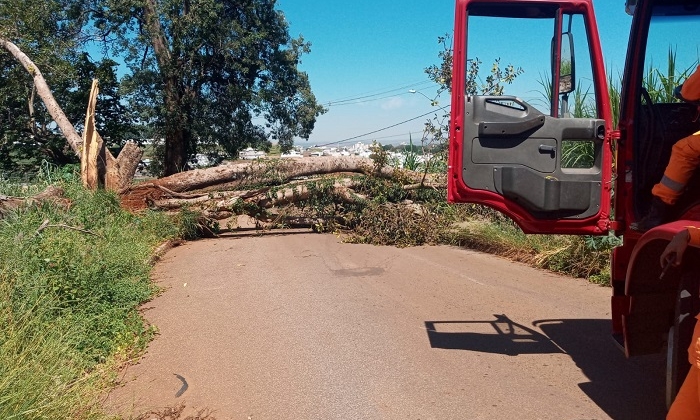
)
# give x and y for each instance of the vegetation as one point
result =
(49, 31)
(69, 298)
(250, 93)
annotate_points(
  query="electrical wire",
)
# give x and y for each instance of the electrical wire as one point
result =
(382, 129)
(352, 100)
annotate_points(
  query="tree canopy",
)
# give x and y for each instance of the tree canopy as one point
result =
(199, 76)
(47, 31)
(213, 76)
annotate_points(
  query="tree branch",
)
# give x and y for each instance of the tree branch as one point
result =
(73, 138)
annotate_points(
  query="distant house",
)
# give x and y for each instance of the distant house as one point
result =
(291, 154)
(250, 154)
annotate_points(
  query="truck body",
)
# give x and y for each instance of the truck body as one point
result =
(558, 155)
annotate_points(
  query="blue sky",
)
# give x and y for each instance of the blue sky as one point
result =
(368, 47)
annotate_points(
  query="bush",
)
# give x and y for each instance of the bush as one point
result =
(399, 225)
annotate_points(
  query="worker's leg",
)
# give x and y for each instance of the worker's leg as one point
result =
(685, 157)
(686, 406)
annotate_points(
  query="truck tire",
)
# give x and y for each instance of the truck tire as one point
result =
(680, 334)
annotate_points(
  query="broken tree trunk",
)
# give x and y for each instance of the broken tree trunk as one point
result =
(115, 174)
(98, 168)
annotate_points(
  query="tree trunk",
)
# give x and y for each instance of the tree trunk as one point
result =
(176, 136)
(44, 92)
(175, 151)
(235, 174)
(98, 168)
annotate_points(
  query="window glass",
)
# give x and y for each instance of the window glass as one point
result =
(519, 64)
(672, 55)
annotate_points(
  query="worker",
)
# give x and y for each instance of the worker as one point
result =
(686, 406)
(685, 157)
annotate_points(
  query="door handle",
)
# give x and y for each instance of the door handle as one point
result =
(544, 148)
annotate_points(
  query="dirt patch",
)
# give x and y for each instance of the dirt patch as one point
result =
(174, 413)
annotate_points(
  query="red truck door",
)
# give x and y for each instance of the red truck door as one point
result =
(542, 155)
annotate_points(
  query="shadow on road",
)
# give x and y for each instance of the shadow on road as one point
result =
(623, 388)
(501, 336)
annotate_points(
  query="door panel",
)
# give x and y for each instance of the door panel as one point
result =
(516, 151)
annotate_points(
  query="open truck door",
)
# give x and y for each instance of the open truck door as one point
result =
(532, 138)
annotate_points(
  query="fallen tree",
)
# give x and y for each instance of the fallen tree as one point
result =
(281, 191)
(52, 194)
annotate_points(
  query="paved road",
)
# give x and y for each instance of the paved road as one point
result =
(301, 326)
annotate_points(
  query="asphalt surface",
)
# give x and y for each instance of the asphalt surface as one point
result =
(302, 326)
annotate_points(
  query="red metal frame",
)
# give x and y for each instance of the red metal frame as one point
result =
(457, 191)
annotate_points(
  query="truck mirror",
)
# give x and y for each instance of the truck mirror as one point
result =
(630, 5)
(567, 81)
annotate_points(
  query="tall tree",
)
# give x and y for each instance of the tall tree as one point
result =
(213, 74)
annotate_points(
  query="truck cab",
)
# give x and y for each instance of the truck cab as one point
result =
(550, 139)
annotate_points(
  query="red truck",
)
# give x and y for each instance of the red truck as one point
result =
(553, 160)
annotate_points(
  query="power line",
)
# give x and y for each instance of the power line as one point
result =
(357, 98)
(357, 101)
(381, 91)
(397, 135)
(382, 129)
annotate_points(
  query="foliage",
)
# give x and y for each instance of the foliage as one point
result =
(411, 161)
(204, 72)
(206, 76)
(660, 85)
(436, 129)
(44, 30)
(116, 122)
(402, 225)
(614, 90)
(68, 300)
(49, 33)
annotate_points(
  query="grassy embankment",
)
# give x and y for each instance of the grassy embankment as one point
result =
(69, 298)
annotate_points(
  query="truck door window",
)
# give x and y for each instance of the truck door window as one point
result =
(672, 54)
(530, 48)
(581, 102)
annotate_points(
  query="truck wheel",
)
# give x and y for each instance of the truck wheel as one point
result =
(680, 334)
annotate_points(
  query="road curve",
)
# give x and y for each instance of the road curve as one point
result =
(302, 326)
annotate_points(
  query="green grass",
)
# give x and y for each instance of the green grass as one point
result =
(69, 299)
(578, 256)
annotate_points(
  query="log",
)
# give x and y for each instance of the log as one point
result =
(51, 194)
(237, 174)
(207, 187)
